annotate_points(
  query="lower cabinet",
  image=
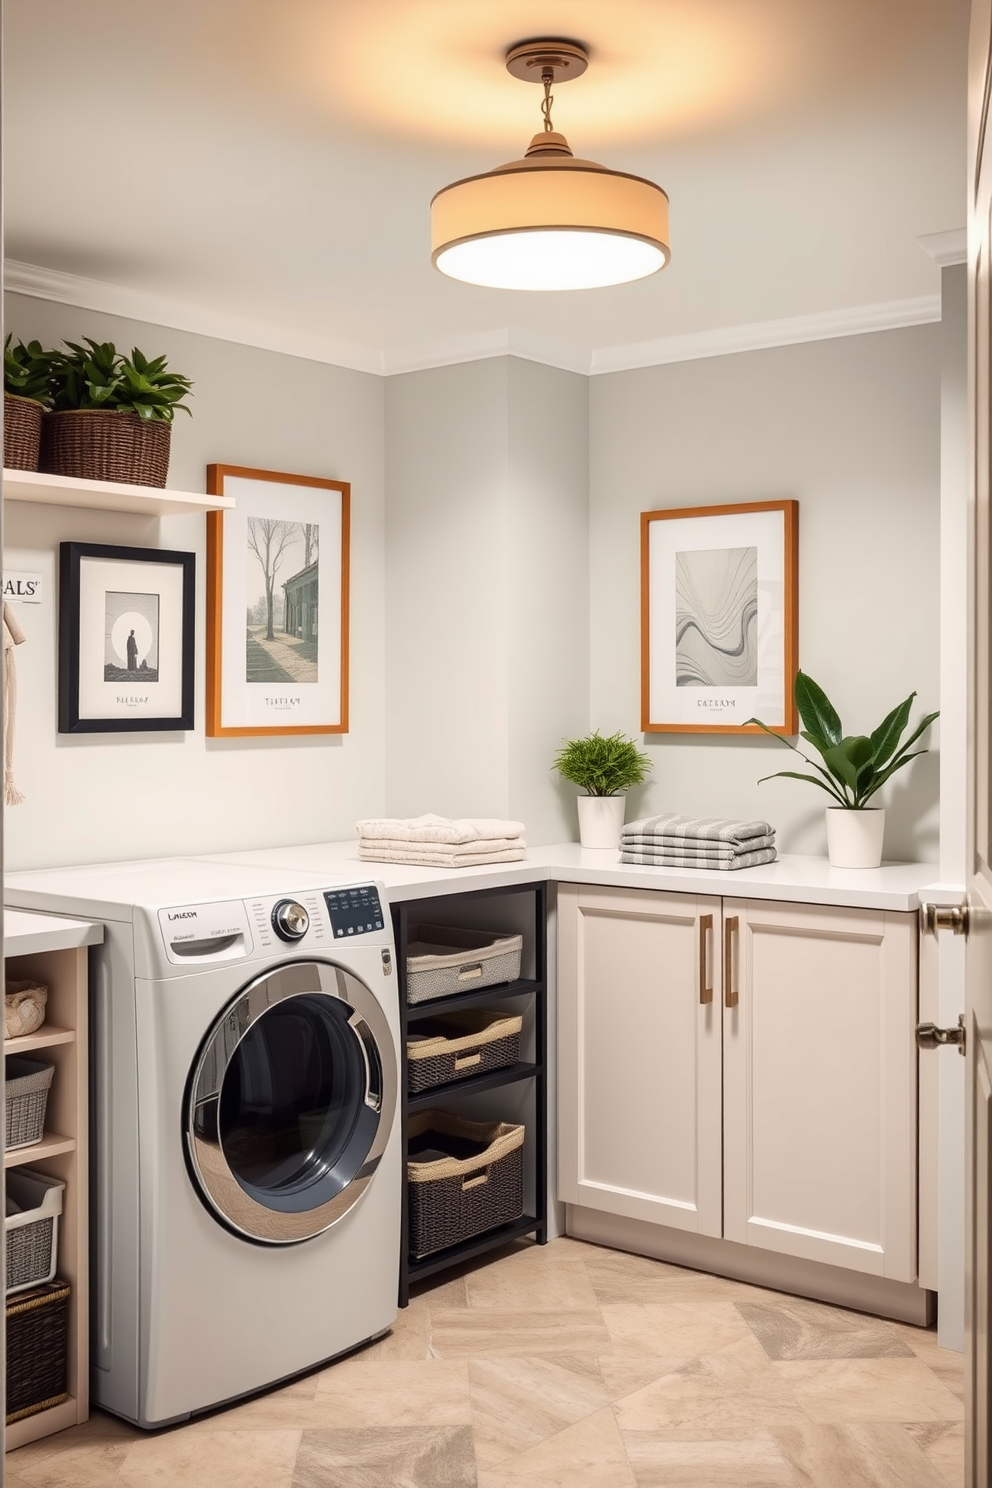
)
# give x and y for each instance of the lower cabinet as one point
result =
(742, 1069)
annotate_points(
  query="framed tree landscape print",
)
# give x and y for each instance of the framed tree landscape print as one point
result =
(277, 604)
(719, 618)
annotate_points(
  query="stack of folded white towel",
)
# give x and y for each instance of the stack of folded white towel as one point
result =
(440, 841)
(697, 842)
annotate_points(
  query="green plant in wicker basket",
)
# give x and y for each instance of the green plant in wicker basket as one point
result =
(97, 375)
(602, 766)
(27, 370)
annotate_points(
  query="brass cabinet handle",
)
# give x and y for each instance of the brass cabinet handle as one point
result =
(730, 926)
(705, 977)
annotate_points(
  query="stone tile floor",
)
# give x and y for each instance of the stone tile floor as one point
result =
(569, 1365)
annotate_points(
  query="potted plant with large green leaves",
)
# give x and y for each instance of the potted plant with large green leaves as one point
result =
(26, 395)
(855, 767)
(111, 415)
(604, 768)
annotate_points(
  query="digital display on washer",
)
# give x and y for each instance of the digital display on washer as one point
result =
(354, 911)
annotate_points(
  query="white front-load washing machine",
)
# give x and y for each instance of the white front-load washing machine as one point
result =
(245, 1146)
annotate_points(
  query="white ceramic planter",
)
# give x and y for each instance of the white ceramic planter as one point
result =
(854, 838)
(600, 820)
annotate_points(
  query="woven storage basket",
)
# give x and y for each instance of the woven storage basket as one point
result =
(101, 444)
(21, 432)
(457, 1045)
(28, 1084)
(441, 960)
(464, 1177)
(37, 1350)
(34, 1203)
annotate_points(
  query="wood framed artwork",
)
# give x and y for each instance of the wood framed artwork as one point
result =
(126, 620)
(277, 604)
(720, 618)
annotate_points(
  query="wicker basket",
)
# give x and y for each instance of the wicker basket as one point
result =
(37, 1350)
(442, 961)
(21, 432)
(103, 444)
(458, 1045)
(28, 1084)
(464, 1177)
(34, 1203)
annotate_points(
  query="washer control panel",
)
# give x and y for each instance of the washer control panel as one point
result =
(290, 920)
(355, 911)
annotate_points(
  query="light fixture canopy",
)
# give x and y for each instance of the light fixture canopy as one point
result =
(549, 221)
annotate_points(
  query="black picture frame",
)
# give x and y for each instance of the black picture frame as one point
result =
(104, 590)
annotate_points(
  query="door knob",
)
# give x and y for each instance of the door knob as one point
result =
(929, 1036)
(953, 917)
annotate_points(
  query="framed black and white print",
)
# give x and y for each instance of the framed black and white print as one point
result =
(125, 639)
(719, 618)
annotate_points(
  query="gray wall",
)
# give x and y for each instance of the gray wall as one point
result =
(850, 427)
(487, 596)
(126, 796)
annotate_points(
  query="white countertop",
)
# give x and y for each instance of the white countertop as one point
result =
(25, 933)
(794, 879)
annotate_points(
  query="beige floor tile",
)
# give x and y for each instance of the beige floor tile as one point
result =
(623, 1376)
(96, 1464)
(408, 1338)
(395, 1392)
(880, 1455)
(755, 1463)
(432, 1294)
(214, 1459)
(489, 1331)
(99, 1428)
(869, 1390)
(618, 1278)
(517, 1403)
(789, 1328)
(532, 1286)
(589, 1454)
(733, 1393)
(678, 1330)
(397, 1457)
(943, 1446)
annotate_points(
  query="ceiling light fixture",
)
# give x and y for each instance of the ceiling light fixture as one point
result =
(549, 221)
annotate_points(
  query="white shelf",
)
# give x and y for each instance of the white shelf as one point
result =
(59, 490)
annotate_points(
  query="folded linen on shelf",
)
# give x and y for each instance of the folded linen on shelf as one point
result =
(698, 847)
(484, 845)
(435, 857)
(698, 828)
(687, 860)
(429, 828)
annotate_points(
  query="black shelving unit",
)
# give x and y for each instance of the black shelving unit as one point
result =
(457, 906)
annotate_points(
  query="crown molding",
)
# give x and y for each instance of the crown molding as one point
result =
(484, 344)
(139, 304)
(763, 335)
(946, 248)
(135, 304)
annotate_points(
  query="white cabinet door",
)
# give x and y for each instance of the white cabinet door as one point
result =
(639, 1001)
(820, 1084)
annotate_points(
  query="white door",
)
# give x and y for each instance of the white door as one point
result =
(640, 1100)
(978, 1015)
(820, 1084)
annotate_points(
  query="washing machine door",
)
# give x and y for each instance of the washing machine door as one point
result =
(290, 1103)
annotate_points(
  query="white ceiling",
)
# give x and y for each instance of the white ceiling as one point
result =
(273, 160)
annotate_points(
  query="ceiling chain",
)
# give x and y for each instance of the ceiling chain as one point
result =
(547, 78)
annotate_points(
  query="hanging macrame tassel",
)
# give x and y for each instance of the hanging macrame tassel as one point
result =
(13, 636)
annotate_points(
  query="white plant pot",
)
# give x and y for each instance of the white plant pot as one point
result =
(600, 820)
(854, 838)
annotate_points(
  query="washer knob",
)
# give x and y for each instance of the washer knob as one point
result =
(290, 920)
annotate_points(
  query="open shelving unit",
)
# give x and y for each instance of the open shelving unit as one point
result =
(63, 1152)
(149, 501)
(518, 1092)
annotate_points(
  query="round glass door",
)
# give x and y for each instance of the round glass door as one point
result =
(291, 1103)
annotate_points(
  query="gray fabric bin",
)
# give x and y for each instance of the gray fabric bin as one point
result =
(442, 961)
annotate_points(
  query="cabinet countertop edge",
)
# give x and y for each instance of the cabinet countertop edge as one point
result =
(26, 933)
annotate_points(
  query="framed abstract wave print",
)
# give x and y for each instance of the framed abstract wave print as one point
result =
(277, 604)
(719, 618)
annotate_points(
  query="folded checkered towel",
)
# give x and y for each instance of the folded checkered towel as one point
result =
(698, 847)
(430, 828)
(672, 860)
(705, 828)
